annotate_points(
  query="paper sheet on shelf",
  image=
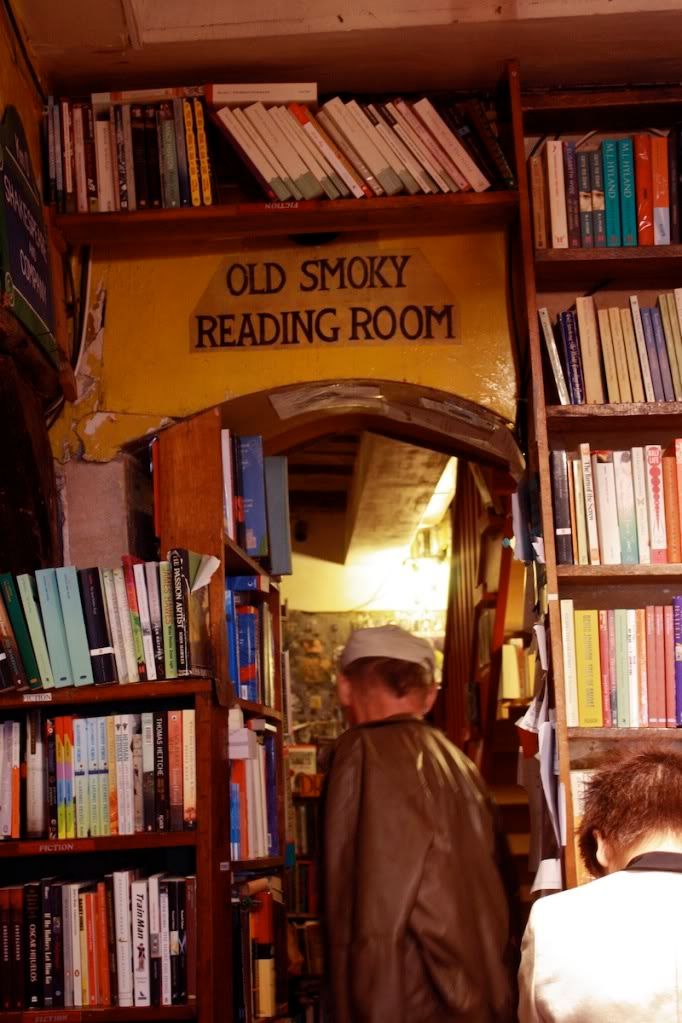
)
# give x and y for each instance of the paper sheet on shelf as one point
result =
(522, 547)
(547, 774)
(541, 636)
(548, 877)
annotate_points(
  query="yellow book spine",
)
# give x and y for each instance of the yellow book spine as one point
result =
(69, 808)
(202, 146)
(192, 162)
(588, 669)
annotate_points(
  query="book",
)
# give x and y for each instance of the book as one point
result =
(562, 523)
(189, 771)
(611, 192)
(161, 794)
(113, 621)
(639, 483)
(556, 194)
(539, 201)
(661, 189)
(553, 353)
(74, 626)
(128, 562)
(628, 204)
(166, 595)
(606, 507)
(580, 534)
(175, 769)
(604, 668)
(588, 672)
(55, 632)
(655, 504)
(569, 662)
(598, 198)
(613, 379)
(572, 196)
(625, 503)
(100, 648)
(662, 352)
(145, 619)
(277, 514)
(652, 354)
(642, 351)
(240, 94)
(644, 189)
(620, 355)
(10, 648)
(669, 672)
(589, 347)
(622, 673)
(140, 937)
(568, 328)
(250, 469)
(124, 970)
(13, 607)
(451, 144)
(585, 200)
(151, 571)
(590, 504)
(126, 621)
(630, 343)
(677, 638)
(671, 507)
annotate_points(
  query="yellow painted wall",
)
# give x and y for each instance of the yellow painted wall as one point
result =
(139, 369)
(17, 89)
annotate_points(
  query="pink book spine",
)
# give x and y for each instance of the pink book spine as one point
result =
(669, 645)
(604, 666)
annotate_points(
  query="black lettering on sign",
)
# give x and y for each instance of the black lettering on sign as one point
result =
(206, 327)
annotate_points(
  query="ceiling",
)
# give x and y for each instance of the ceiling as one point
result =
(449, 43)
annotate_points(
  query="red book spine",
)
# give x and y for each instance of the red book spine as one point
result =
(659, 675)
(238, 775)
(175, 769)
(92, 948)
(672, 508)
(645, 190)
(127, 563)
(604, 666)
(651, 663)
(101, 944)
(669, 645)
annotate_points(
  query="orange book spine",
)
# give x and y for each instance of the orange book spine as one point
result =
(175, 769)
(659, 675)
(650, 663)
(678, 464)
(661, 189)
(669, 641)
(644, 190)
(672, 508)
(70, 805)
(604, 667)
(92, 950)
(642, 667)
(102, 944)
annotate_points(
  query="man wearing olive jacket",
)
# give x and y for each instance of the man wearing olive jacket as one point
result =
(416, 915)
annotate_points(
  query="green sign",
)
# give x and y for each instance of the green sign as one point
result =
(24, 256)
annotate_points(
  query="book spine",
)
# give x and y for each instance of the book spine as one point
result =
(661, 190)
(655, 503)
(124, 775)
(572, 196)
(641, 513)
(569, 662)
(556, 194)
(36, 778)
(176, 559)
(74, 626)
(571, 344)
(80, 766)
(68, 158)
(484, 130)
(11, 603)
(101, 940)
(104, 165)
(645, 198)
(100, 649)
(164, 917)
(192, 158)
(181, 152)
(670, 677)
(636, 378)
(154, 939)
(83, 944)
(52, 802)
(538, 191)
(162, 800)
(135, 624)
(204, 157)
(585, 200)
(126, 620)
(170, 181)
(581, 520)
(607, 512)
(604, 669)
(137, 131)
(553, 353)
(124, 972)
(151, 570)
(32, 909)
(677, 637)
(103, 795)
(53, 620)
(632, 665)
(613, 379)
(673, 185)
(79, 158)
(562, 523)
(189, 770)
(110, 723)
(114, 621)
(626, 177)
(129, 156)
(175, 772)
(652, 354)
(140, 914)
(69, 801)
(111, 938)
(625, 498)
(590, 504)
(151, 150)
(611, 193)
(167, 617)
(662, 353)
(671, 508)
(598, 198)
(589, 347)
(622, 678)
(119, 152)
(138, 792)
(46, 944)
(145, 620)
(191, 932)
(148, 777)
(93, 776)
(647, 380)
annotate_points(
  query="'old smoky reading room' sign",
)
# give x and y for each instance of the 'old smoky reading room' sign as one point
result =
(354, 294)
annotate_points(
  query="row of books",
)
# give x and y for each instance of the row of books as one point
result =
(124, 940)
(259, 950)
(119, 774)
(256, 500)
(147, 151)
(254, 827)
(623, 191)
(618, 507)
(250, 638)
(302, 888)
(306, 826)
(623, 667)
(353, 148)
(615, 354)
(311, 945)
(143, 621)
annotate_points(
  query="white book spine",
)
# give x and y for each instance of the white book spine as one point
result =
(124, 775)
(590, 504)
(625, 499)
(557, 193)
(311, 130)
(235, 128)
(189, 768)
(126, 627)
(145, 621)
(115, 630)
(80, 777)
(124, 963)
(252, 815)
(262, 802)
(283, 158)
(569, 661)
(403, 153)
(79, 159)
(140, 923)
(364, 133)
(607, 509)
(103, 159)
(68, 946)
(439, 129)
(312, 158)
(103, 776)
(148, 766)
(357, 138)
(128, 151)
(649, 392)
(267, 158)
(228, 483)
(93, 776)
(406, 132)
(138, 798)
(166, 996)
(633, 669)
(385, 151)
(76, 987)
(154, 927)
(658, 537)
(641, 514)
(553, 352)
(456, 181)
(36, 778)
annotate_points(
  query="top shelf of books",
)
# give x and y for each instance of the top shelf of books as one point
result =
(214, 224)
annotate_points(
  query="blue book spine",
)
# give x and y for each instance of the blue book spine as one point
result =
(74, 626)
(247, 632)
(250, 453)
(232, 642)
(569, 334)
(628, 204)
(235, 821)
(650, 342)
(277, 506)
(244, 583)
(271, 794)
(677, 636)
(611, 192)
(53, 621)
(662, 351)
(181, 147)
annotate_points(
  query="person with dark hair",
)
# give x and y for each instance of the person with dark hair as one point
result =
(611, 949)
(415, 910)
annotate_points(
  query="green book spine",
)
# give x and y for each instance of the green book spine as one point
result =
(169, 652)
(622, 678)
(611, 193)
(28, 593)
(55, 633)
(625, 500)
(585, 200)
(21, 634)
(626, 174)
(74, 626)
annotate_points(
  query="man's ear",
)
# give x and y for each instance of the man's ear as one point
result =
(344, 690)
(430, 699)
(604, 857)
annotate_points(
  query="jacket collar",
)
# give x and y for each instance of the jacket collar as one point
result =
(667, 861)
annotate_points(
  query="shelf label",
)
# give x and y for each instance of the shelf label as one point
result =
(36, 698)
(71, 1016)
(224, 867)
(83, 845)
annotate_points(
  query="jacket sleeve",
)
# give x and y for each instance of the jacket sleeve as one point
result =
(528, 1010)
(371, 877)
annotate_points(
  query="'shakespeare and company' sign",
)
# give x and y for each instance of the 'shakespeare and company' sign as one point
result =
(24, 258)
(351, 294)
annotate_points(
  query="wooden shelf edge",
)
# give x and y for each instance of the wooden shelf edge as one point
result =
(264, 218)
(248, 565)
(618, 573)
(263, 863)
(112, 693)
(103, 1014)
(563, 414)
(109, 843)
(260, 710)
(634, 734)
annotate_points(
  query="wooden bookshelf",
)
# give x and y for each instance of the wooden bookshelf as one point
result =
(84, 696)
(553, 274)
(216, 224)
(260, 710)
(107, 844)
(262, 863)
(109, 1014)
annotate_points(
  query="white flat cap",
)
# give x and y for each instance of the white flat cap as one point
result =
(387, 641)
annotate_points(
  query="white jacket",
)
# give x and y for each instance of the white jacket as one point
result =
(607, 952)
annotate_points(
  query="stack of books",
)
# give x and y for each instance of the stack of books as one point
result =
(141, 622)
(251, 642)
(254, 827)
(259, 949)
(623, 667)
(125, 940)
(594, 192)
(311, 944)
(618, 507)
(88, 777)
(150, 148)
(616, 354)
